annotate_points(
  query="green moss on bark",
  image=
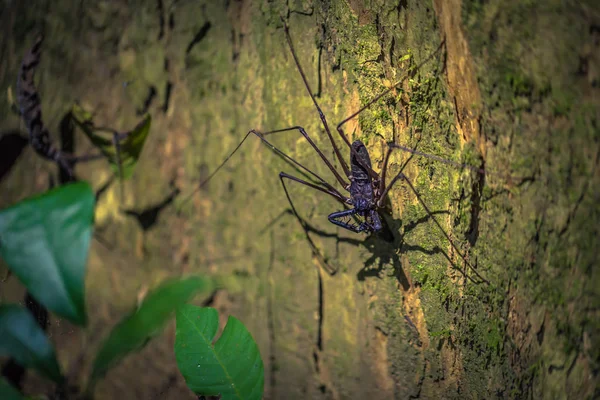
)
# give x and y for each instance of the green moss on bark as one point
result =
(529, 230)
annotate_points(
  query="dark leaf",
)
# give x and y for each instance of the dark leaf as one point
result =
(7, 392)
(22, 339)
(130, 144)
(45, 242)
(231, 367)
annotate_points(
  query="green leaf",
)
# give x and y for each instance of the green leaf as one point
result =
(45, 242)
(8, 392)
(131, 146)
(147, 321)
(23, 339)
(232, 367)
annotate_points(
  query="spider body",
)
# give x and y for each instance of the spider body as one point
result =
(364, 194)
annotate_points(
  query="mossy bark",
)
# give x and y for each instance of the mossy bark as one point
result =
(509, 311)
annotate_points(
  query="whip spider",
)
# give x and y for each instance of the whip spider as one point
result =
(363, 189)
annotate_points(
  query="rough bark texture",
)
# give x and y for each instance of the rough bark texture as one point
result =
(515, 90)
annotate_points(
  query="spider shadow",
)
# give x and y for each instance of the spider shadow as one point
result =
(148, 217)
(386, 252)
(386, 248)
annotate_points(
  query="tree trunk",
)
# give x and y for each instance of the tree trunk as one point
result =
(508, 308)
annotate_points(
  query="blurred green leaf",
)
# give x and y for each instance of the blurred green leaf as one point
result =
(232, 367)
(146, 321)
(22, 339)
(45, 241)
(8, 392)
(130, 147)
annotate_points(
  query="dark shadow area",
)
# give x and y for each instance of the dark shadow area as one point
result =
(201, 34)
(474, 198)
(168, 93)
(147, 218)
(100, 192)
(12, 144)
(161, 19)
(152, 93)
(168, 382)
(383, 251)
(13, 372)
(67, 142)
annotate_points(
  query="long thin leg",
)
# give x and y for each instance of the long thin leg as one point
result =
(335, 218)
(330, 189)
(400, 175)
(392, 146)
(374, 100)
(325, 160)
(321, 115)
(328, 268)
(341, 199)
(386, 161)
(375, 225)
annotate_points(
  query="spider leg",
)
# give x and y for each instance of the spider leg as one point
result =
(374, 226)
(282, 175)
(386, 161)
(438, 158)
(336, 219)
(325, 160)
(335, 195)
(374, 100)
(392, 146)
(401, 175)
(327, 188)
(321, 115)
